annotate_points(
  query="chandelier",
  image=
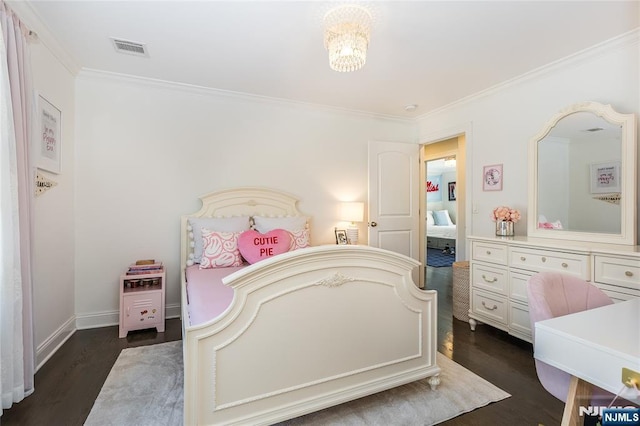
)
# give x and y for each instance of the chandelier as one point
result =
(346, 36)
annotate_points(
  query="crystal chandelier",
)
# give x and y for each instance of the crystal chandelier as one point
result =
(346, 36)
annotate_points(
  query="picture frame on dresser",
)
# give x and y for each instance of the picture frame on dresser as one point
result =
(341, 237)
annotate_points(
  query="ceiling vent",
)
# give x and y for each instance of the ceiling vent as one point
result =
(130, 47)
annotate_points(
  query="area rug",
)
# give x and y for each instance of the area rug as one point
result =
(144, 388)
(437, 259)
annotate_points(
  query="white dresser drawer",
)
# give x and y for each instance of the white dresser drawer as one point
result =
(490, 277)
(617, 271)
(489, 305)
(519, 322)
(489, 252)
(550, 261)
(619, 294)
(518, 286)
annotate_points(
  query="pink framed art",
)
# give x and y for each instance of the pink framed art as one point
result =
(492, 178)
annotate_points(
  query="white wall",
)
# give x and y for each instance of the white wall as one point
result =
(147, 151)
(53, 268)
(502, 121)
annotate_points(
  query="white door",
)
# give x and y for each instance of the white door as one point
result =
(394, 177)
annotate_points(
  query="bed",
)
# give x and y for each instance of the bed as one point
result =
(441, 231)
(300, 331)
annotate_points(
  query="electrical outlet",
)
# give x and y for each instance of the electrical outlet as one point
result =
(629, 377)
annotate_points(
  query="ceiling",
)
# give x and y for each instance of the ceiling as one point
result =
(428, 53)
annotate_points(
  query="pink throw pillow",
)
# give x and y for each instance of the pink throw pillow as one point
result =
(255, 246)
(220, 249)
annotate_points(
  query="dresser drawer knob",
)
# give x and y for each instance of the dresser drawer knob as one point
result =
(564, 265)
(488, 252)
(628, 273)
(488, 308)
(522, 258)
(492, 280)
(544, 259)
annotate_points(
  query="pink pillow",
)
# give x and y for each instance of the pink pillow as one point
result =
(255, 246)
(220, 249)
(299, 239)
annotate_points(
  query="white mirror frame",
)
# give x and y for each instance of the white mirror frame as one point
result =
(628, 211)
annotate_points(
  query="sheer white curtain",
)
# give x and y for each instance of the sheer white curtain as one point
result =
(16, 224)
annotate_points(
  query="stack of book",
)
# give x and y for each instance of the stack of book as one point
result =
(145, 267)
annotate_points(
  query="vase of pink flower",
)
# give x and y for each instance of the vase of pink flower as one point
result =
(505, 217)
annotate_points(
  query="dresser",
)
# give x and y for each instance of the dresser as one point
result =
(501, 266)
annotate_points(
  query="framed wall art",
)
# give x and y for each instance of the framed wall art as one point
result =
(605, 177)
(49, 144)
(492, 177)
(452, 191)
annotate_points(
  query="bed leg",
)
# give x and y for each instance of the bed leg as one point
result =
(472, 324)
(434, 381)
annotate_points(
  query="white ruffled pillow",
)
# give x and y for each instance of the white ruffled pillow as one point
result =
(264, 224)
(220, 224)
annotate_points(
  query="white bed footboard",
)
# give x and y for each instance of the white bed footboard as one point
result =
(307, 330)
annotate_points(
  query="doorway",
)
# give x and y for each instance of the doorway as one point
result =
(442, 210)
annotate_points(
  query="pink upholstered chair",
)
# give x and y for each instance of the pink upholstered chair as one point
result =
(552, 295)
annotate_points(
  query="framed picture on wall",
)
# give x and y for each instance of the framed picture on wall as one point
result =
(452, 191)
(492, 177)
(49, 144)
(605, 177)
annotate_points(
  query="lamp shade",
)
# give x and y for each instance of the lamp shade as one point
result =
(352, 211)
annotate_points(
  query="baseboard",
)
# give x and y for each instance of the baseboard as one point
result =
(106, 319)
(51, 345)
(80, 322)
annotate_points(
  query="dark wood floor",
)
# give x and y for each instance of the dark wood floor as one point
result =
(68, 384)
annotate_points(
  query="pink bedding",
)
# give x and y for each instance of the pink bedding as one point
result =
(206, 294)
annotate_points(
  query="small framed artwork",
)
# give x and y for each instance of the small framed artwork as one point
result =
(452, 191)
(341, 236)
(605, 177)
(492, 177)
(48, 120)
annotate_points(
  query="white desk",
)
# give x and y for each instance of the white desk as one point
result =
(593, 346)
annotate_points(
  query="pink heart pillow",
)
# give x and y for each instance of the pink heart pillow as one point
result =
(255, 246)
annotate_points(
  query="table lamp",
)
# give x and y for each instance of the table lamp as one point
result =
(352, 212)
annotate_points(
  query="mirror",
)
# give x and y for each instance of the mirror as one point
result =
(582, 176)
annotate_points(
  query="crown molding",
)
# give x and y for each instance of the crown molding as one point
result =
(93, 74)
(34, 22)
(624, 40)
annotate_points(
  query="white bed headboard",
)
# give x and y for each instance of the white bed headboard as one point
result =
(245, 201)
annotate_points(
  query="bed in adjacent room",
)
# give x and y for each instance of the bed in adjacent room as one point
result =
(294, 332)
(441, 231)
